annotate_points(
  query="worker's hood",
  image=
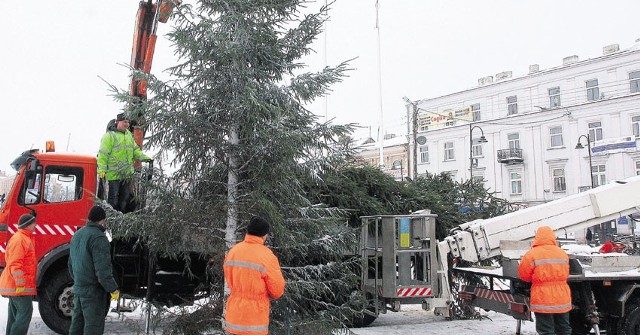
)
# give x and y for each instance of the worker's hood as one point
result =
(544, 236)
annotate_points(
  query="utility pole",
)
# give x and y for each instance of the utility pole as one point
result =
(413, 120)
(415, 141)
(381, 126)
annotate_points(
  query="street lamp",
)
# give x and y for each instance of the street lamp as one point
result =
(579, 146)
(397, 164)
(482, 139)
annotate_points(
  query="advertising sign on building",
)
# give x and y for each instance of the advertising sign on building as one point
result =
(614, 145)
(397, 174)
(448, 117)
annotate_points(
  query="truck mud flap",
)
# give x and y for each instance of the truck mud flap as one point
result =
(495, 300)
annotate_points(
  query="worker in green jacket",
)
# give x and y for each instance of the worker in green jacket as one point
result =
(118, 152)
(91, 271)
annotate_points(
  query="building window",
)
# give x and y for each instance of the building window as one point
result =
(637, 168)
(516, 182)
(449, 154)
(554, 97)
(556, 137)
(595, 131)
(559, 181)
(424, 154)
(634, 82)
(635, 125)
(512, 105)
(599, 176)
(593, 92)
(475, 111)
(476, 148)
(514, 140)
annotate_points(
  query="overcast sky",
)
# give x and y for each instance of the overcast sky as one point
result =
(53, 55)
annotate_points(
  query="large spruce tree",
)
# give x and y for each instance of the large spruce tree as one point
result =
(233, 123)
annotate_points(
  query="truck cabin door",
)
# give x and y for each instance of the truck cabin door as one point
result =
(58, 196)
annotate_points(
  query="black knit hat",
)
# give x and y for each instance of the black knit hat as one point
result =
(25, 220)
(121, 117)
(258, 226)
(96, 214)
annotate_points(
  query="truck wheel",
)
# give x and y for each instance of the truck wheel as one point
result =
(630, 323)
(56, 301)
(366, 319)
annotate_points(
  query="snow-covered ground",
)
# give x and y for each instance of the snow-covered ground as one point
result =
(125, 323)
(411, 320)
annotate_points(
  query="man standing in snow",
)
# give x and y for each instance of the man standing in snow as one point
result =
(90, 268)
(546, 266)
(252, 273)
(118, 152)
(18, 280)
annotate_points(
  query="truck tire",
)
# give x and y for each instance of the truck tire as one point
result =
(630, 323)
(366, 319)
(56, 301)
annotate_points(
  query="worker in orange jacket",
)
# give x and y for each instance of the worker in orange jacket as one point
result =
(252, 273)
(546, 266)
(18, 280)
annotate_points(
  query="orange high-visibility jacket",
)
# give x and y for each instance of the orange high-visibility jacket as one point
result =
(21, 265)
(253, 275)
(546, 266)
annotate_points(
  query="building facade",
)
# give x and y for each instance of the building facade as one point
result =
(520, 135)
(394, 156)
(5, 185)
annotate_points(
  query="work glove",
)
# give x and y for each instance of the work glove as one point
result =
(101, 174)
(115, 295)
(19, 289)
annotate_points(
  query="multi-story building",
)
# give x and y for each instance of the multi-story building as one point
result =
(394, 155)
(5, 185)
(520, 135)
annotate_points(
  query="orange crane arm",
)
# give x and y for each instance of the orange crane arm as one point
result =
(144, 45)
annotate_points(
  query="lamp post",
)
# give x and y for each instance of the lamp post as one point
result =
(397, 164)
(482, 139)
(579, 146)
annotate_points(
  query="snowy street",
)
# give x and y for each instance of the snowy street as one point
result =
(411, 320)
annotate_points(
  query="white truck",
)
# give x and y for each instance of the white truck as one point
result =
(403, 263)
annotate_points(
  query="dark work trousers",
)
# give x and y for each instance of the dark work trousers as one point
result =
(119, 191)
(553, 324)
(20, 311)
(89, 314)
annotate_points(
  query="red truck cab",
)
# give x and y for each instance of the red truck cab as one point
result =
(58, 188)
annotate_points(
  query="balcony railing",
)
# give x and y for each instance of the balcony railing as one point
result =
(510, 156)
